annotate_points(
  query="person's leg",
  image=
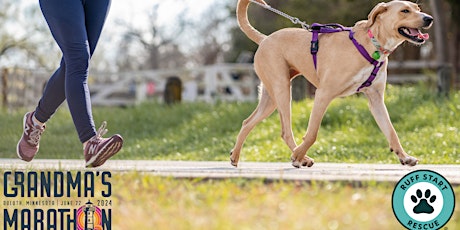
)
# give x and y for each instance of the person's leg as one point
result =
(95, 13)
(97, 149)
(53, 96)
(76, 27)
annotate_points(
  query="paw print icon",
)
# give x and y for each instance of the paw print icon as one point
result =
(423, 202)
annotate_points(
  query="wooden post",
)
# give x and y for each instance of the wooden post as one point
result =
(5, 88)
(299, 88)
(442, 53)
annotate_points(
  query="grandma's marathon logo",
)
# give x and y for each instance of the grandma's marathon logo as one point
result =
(422, 200)
(56, 200)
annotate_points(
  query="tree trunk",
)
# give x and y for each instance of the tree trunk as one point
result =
(442, 53)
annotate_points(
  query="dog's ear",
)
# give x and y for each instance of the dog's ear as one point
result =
(378, 9)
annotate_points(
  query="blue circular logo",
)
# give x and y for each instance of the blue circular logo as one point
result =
(423, 199)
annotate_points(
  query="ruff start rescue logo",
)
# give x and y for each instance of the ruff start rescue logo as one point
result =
(423, 200)
(56, 200)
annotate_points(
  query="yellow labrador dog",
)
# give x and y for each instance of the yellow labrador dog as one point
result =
(340, 71)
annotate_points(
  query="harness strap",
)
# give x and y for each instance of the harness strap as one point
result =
(314, 46)
(366, 55)
(316, 29)
(362, 50)
(371, 78)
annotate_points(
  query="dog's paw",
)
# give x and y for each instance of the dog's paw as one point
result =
(233, 161)
(292, 158)
(305, 162)
(295, 163)
(410, 161)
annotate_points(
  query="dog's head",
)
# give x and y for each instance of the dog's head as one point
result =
(403, 20)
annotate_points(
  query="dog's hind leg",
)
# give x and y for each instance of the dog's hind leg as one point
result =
(280, 90)
(380, 113)
(283, 105)
(265, 107)
(321, 102)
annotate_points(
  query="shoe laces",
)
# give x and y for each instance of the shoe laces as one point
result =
(101, 131)
(35, 134)
(95, 140)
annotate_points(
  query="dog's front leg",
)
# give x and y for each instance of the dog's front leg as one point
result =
(321, 102)
(380, 113)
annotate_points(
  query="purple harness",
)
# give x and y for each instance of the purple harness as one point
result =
(316, 29)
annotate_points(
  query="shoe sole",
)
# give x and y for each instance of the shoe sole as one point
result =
(104, 154)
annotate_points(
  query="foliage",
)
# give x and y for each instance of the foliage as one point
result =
(427, 126)
(22, 38)
(342, 11)
(310, 11)
(345, 12)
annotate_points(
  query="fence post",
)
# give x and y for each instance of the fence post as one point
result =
(445, 73)
(442, 53)
(5, 88)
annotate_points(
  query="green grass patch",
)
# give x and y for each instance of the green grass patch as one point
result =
(143, 201)
(428, 127)
(254, 204)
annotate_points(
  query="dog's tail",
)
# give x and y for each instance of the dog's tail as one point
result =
(245, 25)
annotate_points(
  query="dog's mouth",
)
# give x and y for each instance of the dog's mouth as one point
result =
(414, 34)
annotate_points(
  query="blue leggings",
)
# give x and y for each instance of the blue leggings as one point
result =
(76, 26)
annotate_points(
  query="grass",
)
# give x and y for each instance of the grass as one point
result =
(242, 204)
(428, 127)
(167, 203)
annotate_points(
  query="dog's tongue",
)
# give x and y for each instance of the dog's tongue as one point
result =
(424, 36)
(419, 34)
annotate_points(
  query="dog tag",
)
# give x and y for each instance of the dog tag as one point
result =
(376, 55)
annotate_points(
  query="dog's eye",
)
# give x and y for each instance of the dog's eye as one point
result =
(406, 11)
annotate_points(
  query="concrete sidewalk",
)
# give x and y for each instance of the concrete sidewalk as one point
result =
(271, 171)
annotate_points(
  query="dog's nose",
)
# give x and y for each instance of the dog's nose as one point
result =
(428, 20)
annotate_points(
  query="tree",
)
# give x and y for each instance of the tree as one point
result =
(153, 47)
(210, 35)
(24, 37)
(455, 38)
(263, 20)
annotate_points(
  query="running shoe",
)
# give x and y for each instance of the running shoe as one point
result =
(98, 149)
(29, 143)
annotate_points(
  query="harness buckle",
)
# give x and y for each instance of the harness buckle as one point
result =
(314, 47)
(316, 27)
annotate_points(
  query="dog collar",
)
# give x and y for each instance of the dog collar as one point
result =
(380, 50)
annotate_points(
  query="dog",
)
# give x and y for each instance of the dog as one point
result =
(339, 72)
